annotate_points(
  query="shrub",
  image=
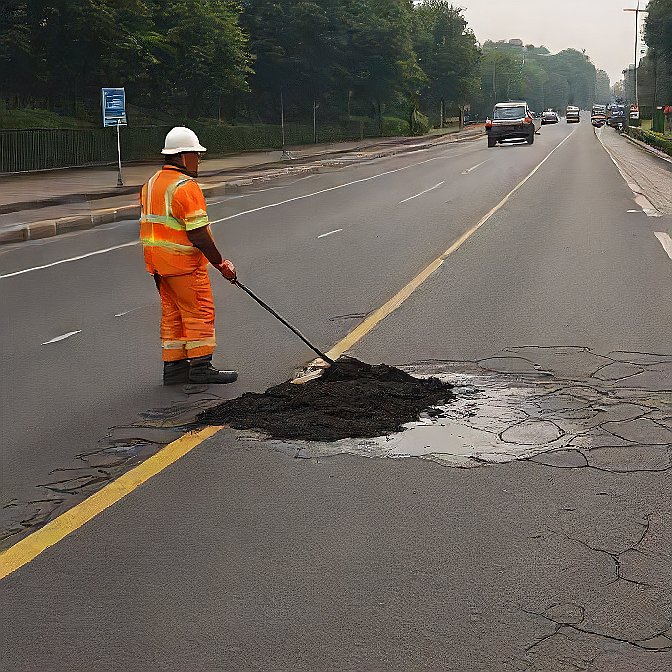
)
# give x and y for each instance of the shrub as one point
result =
(421, 125)
(394, 126)
(658, 140)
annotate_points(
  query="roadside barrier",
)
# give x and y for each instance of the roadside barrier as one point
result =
(27, 150)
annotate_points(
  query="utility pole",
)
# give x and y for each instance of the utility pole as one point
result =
(286, 156)
(637, 12)
(120, 179)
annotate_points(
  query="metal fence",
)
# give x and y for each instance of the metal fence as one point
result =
(44, 149)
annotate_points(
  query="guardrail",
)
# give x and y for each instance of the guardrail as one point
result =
(28, 150)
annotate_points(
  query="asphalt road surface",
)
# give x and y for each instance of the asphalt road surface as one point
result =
(239, 557)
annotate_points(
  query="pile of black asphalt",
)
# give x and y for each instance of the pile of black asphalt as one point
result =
(351, 399)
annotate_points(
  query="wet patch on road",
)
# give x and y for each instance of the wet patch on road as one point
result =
(565, 407)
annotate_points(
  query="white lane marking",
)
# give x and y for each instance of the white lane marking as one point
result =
(67, 261)
(324, 191)
(324, 235)
(62, 337)
(283, 186)
(260, 191)
(470, 170)
(245, 212)
(641, 200)
(665, 241)
(426, 191)
(132, 310)
(633, 211)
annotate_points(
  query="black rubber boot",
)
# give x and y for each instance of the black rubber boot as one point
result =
(202, 372)
(176, 373)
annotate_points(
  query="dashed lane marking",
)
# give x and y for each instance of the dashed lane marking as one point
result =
(62, 337)
(324, 235)
(426, 191)
(471, 170)
(335, 188)
(133, 310)
(67, 261)
(238, 214)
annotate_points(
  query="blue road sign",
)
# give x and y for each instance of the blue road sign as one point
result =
(113, 103)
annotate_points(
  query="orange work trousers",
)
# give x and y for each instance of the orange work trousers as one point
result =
(187, 315)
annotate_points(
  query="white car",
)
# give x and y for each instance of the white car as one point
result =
(572, 115)
(512, 121)
(549, 117)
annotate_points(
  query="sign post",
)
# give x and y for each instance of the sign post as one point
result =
(286, 156)
(113, 104)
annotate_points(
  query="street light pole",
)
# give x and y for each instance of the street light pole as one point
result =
(637, 12)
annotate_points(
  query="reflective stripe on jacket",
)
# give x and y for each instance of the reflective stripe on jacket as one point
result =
(172, 204)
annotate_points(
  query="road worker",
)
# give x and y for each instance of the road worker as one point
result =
(178, 244)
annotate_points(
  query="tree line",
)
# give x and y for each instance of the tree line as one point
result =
(545, 80)
(232, 60)
(655, 68)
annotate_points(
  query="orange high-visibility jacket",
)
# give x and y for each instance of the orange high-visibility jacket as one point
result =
(172, 204)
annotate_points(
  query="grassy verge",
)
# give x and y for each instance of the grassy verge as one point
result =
(445, 130)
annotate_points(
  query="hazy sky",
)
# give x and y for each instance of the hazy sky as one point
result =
(601, 27)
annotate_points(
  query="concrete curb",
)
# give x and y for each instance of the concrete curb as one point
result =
(53, 227)
(648, 148)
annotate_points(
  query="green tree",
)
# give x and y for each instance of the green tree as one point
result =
(501, 75)
(448, 55)
(174, 53)
(302, 49)
(602, 88)
(382, 64)
(534, 84)
(200, 56)
(17, 62)
(658, 64)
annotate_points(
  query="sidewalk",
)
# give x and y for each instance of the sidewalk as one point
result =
(39, 205)
(648, 173)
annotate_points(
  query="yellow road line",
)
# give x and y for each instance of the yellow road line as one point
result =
(29, 548)
(381, 313)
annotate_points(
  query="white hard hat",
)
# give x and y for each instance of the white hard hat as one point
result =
(181, 139)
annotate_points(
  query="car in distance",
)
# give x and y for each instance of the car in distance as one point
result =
(598, 120)
(616, 116)
(512, 121)
(572, 114)
(549, 117)
(598, 115)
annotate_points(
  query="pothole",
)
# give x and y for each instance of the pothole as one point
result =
(561, 407)
(518, 405)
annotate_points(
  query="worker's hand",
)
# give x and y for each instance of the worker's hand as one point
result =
(227, 269)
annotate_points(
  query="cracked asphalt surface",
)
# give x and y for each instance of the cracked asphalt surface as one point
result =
(542, 546)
